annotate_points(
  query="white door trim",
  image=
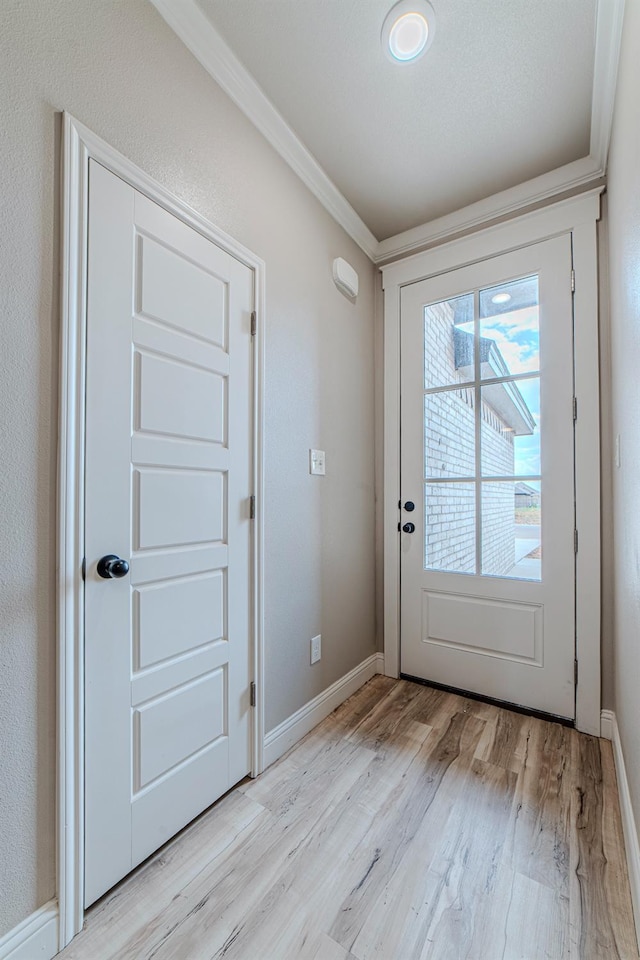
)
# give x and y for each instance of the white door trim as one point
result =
(79, 145)
(578, 216)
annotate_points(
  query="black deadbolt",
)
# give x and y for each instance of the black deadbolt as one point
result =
(409, 506)
(111, 567)
(409, 527)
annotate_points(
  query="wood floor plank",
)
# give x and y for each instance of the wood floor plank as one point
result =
(326, 949)
(399, 919)
(468, 912)
(360, 704)
(412, 824)
(616, 880)
(536, 926)
(220, 902)
(391, 835)
(390, 712)
(342, 721)
(505, 741)
(339, 841)
(539, 844)
(126, 910)
(425, 906)
(593, 934)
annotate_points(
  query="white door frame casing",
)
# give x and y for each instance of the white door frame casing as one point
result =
(577, 216)
(79, 145)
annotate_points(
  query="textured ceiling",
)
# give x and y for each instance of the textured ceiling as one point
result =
(503, 95)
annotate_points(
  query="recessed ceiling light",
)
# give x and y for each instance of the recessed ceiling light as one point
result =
(408, 29)
(501, 298)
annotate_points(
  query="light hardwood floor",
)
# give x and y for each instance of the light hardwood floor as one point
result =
(411, 824)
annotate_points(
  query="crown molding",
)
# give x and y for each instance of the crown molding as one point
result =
(572, 176)
(200, 36)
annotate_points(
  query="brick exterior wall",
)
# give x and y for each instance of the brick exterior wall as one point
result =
(449, 452)
(497, 498)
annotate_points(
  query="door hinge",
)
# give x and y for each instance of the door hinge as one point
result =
(575, 408)
(254, 323)
(253, 694)
(573, 281)
(252, 507)
(575, 541)
(575, 672)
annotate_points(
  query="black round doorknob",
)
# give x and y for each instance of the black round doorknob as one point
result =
(409, 506)
(111, 567)
(409, 527)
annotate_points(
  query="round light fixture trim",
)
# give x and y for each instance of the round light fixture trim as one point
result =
(408, 30)
(501, 298)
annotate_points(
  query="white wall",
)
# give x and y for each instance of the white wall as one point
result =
(118, 68)
(624, 281)
(606, 455)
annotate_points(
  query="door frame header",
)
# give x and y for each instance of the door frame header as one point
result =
(79, 145)
(576, 216)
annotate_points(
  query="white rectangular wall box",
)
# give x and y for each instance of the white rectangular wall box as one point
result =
(316, 649)
(345, 278)
(317, 465)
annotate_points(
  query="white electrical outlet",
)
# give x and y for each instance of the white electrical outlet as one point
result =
(317, 462)
(316, 649)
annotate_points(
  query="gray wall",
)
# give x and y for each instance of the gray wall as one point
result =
(624, 282)
(118, 68)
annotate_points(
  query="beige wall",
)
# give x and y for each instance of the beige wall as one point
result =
(117, 67)
(624, 281)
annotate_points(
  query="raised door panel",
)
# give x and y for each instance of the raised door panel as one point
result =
(160, 632)
(178, 507)
(173, 727)
(180, 293)
(161, 409)
(496, 628)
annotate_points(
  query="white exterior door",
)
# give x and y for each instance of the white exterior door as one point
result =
(487, 508)
(168, 482)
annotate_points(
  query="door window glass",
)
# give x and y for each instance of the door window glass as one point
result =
(510, 428)
(510, 328)
(482, 432)
(511, 525)
(450, 435)
(448, 344)
(451, 507)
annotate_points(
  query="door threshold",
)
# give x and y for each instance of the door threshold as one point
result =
(505, 705)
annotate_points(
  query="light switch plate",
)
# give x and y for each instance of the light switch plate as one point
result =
(317, 462)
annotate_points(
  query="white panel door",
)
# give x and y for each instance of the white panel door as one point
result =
(487, 508)
(168, 482)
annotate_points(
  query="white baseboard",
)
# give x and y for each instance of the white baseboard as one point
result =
(607, 719)
(609, 730)
(36, 938)
(283, 737)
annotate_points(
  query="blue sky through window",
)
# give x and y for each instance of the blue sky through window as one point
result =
(517, 335)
